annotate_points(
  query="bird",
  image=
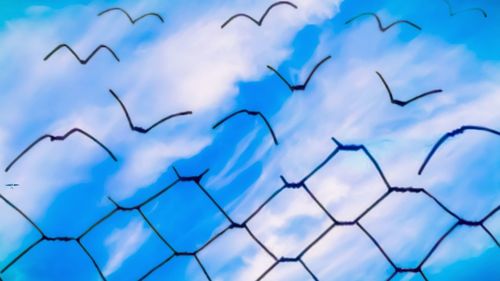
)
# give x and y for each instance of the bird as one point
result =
(380, 26)
(140, 129)
(251, 113)
(404, 103)
(12, 185)
(261, 20)
(453, 13)
(133, 21)
(61, 138)
(452, 134)
(300, 87)
(85, 61)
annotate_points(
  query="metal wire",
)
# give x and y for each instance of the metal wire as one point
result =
(300, 186)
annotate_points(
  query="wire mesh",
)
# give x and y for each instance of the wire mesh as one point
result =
(298, 186)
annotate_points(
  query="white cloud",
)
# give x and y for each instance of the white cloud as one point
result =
(347, 185)
(348, 101)
(235, 256)
(351, 104)
(196, 66)
(289, 223)
(193, 65)
(229, 172)
(148, 161)
(346, 253)
(407, 226)
(123, 243)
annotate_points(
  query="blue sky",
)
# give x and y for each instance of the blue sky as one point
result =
(190, 63)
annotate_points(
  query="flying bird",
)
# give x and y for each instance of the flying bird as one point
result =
(12, 185)
(60, 138)
(133, 21)
(453, 13)
(400, 102)
(251, 113)
(452, 134)
(85, 61)
(380, 26)
(261, 20)
(140, 129)
(300, 87)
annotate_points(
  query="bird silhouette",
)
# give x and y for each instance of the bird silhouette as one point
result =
(452, 134)
(300, 87)
(133, 21)
(85, 61)
(12, 185)
(261, 20)
(380, 26)
(60, 138)
(251, 113)
(140, 129)
(404, 103)
(453, 13)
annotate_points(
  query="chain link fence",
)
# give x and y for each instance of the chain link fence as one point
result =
(244, 225)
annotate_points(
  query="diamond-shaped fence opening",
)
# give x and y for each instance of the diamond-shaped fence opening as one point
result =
(187, 226)
(125, 247)
(289, 223)
(347, 184)
(235, 255)
(407, 226)
(347, 253)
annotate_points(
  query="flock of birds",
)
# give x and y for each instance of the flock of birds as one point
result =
(291, 87)
(255, 114)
